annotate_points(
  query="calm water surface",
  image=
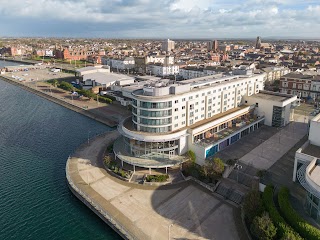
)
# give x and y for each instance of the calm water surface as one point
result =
(36, 138)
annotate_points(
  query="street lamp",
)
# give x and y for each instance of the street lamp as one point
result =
(169, 228)
(88, 137)
(237, 166)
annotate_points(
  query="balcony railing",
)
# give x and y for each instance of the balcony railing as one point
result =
(221, 135)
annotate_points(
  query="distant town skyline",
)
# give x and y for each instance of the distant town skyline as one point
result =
(161, 19)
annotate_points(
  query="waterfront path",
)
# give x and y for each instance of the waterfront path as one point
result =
(109, 114)
(179, 211)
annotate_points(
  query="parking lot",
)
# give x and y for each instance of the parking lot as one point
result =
(38, 75)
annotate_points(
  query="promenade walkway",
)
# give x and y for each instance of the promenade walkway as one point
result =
(179, 211)
(109, 114)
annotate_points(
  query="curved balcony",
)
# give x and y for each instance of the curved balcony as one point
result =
(146, 159)
(307, 179)
(127, 129)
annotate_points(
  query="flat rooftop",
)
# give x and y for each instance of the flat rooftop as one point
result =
(315, 173)
(316, 118)
(105, 78)
(312, 150)
(272, 96)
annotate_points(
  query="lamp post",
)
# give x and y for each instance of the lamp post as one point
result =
(237, 166)
(169, 228)
(88, 137)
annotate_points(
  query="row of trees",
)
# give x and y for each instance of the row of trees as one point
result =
(268, 222)
(87, 93)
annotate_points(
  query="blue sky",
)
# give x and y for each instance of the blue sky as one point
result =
(160, 19)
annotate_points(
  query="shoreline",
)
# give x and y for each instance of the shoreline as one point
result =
(85, 199)
(60, 102)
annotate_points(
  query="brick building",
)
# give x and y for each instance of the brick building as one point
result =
(301, 85)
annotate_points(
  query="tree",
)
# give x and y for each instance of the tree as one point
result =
(263, 228)
(213, 169)
(252, 205)
(192, 157)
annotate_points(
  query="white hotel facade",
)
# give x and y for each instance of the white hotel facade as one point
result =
(204, 115)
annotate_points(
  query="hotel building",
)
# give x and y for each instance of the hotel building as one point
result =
(204, 115)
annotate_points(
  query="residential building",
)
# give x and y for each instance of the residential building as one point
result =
(301, 85)
(204, 115)
(168, 45)
(212, 45)
(119, 63)
(274, 73)
(162, 70)
(189, 73)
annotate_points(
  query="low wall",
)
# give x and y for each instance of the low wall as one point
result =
(96, 208)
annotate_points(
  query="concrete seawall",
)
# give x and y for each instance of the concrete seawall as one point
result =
(99, 212)
(65, 104)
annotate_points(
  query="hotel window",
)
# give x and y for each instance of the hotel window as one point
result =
(183, 123)
(176, 117)
(196, 110)
(176, 101)
(213, 98)
(213, 91)
(202, 101)
(202, 108)
(176, 109)
(183, 115)
(176, 125)
(210, 101)
(196, 118)
(209, 108)
(226, 95)
(191, 121)
(224, 109)
(203, 94)
(224, 88)
(183, 107)
(191, 107)
(183, 99)
(190, 97)
(197, 95)
(197, 103)
(209, 114)
(202, 116)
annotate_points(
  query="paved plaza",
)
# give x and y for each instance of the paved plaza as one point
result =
(272, 149)
(184, 210)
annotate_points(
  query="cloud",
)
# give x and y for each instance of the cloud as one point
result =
(160, 19)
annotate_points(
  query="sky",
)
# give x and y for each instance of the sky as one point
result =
(193, 19)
